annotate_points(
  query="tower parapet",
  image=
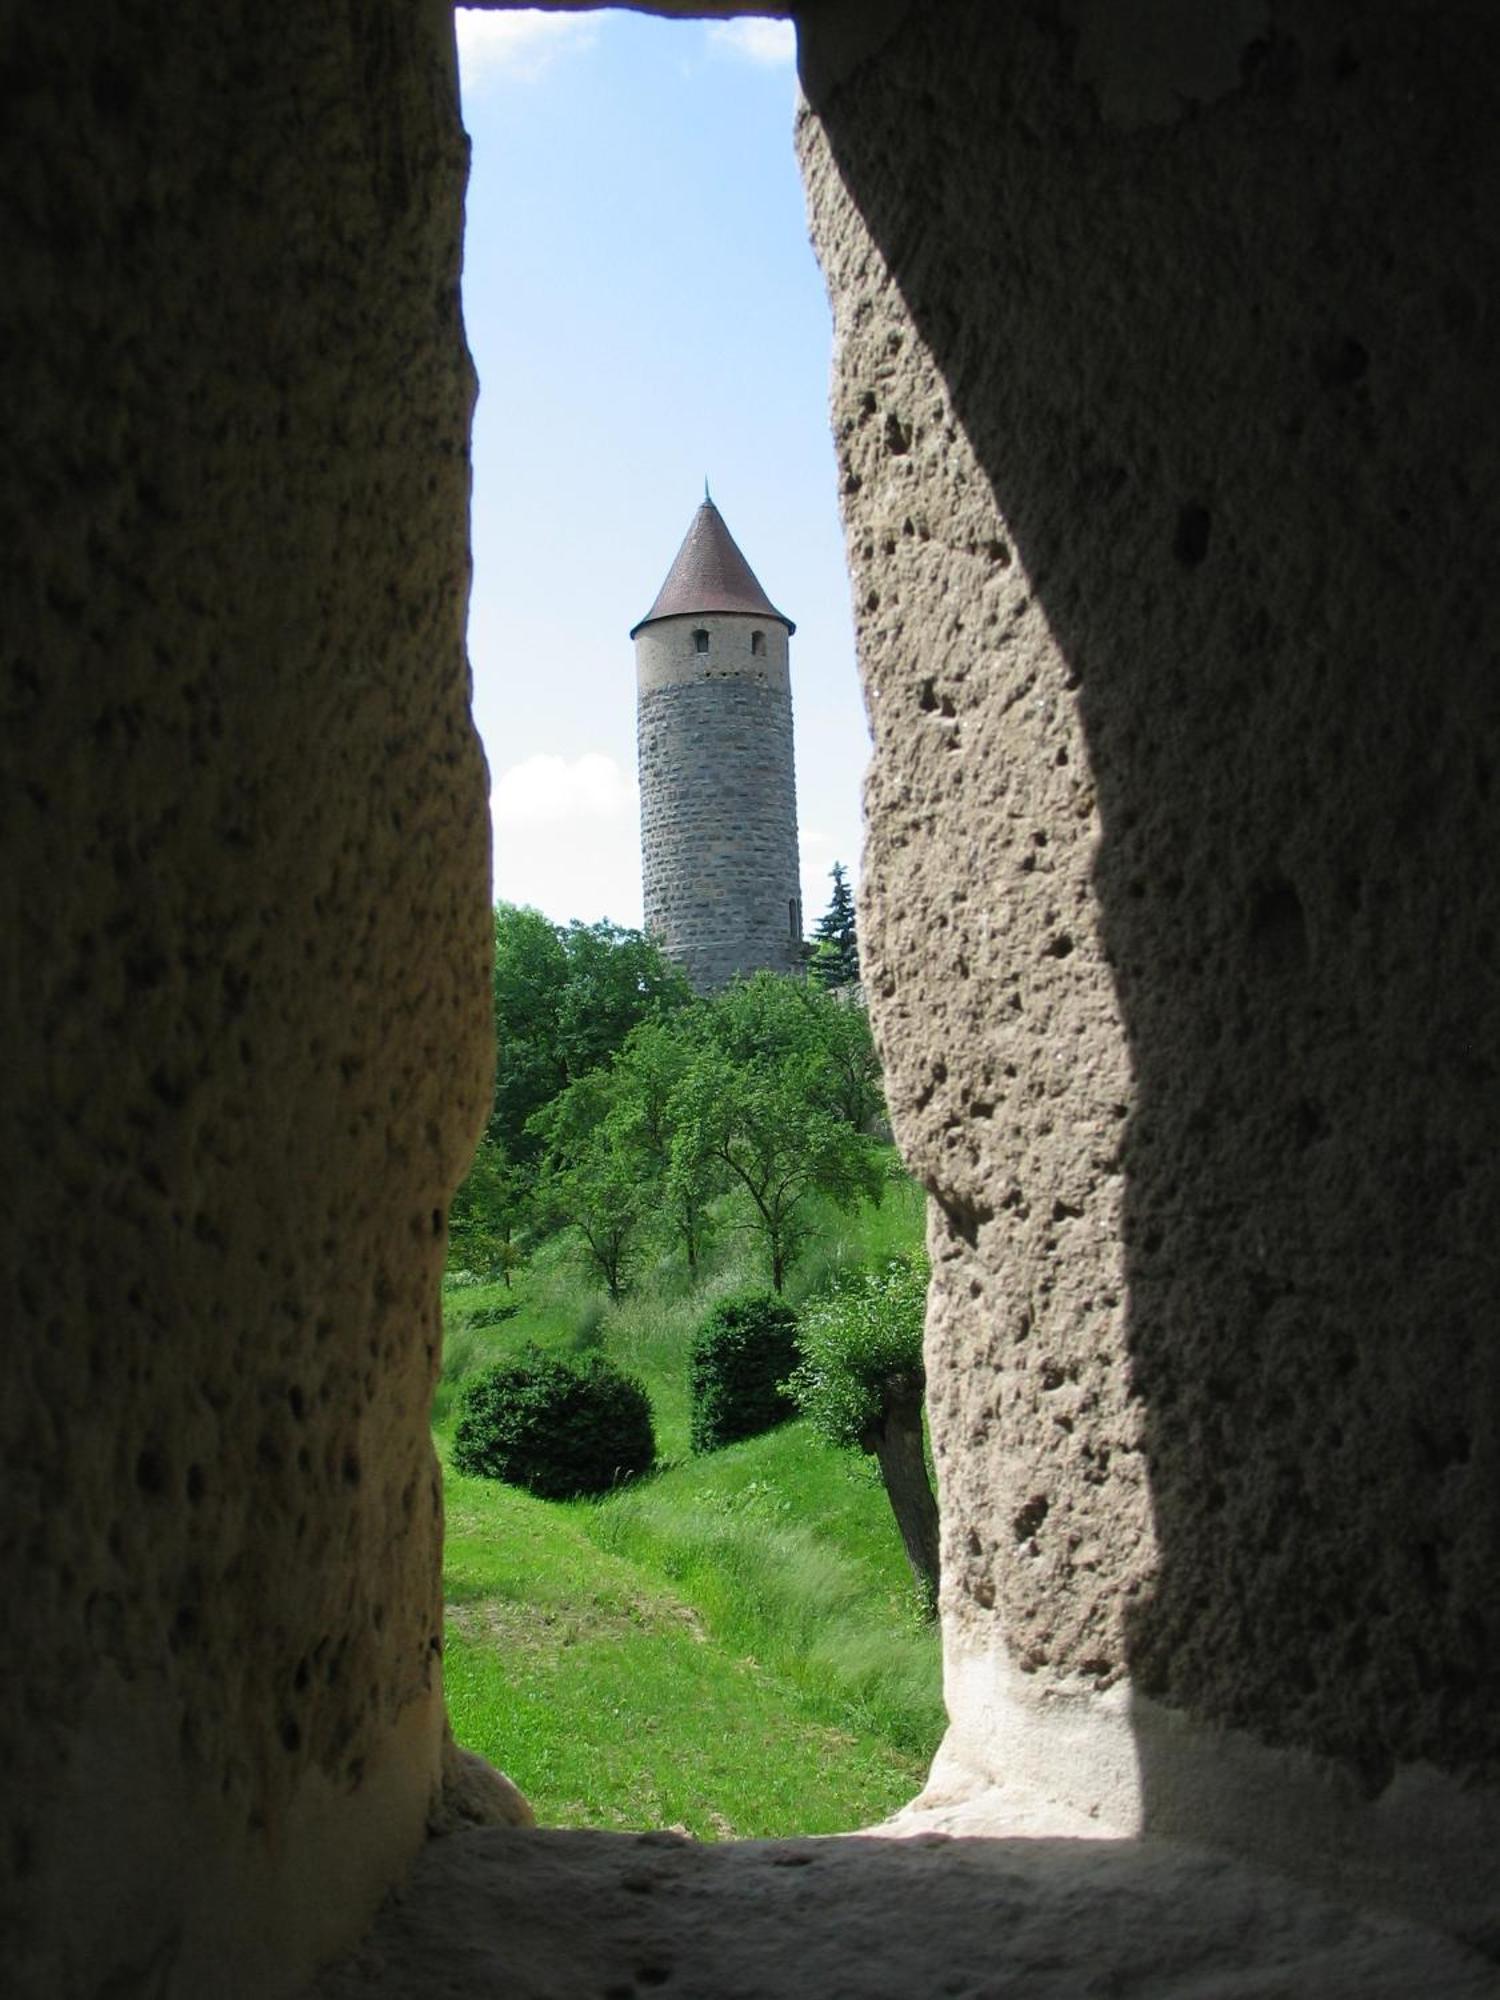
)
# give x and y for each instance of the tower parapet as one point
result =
(719, 863)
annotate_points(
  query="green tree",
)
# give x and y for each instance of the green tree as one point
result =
(646, 1077)
(488, 1212)
(834, 960)
(615, 979)
(586, 1178)
(566, 997)
(771, 1018)
(530, 971)
(758, 1100)
(861, 1382)
(858, 1093)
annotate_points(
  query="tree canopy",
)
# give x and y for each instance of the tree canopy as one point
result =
(587, 1177)
(566, 997)
(761, 1101)
(758, 1095)
(638, 1114)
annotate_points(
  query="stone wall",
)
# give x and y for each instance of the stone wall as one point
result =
(1165, 397)
(245, 1004)
(718, 796)
(1166, 407)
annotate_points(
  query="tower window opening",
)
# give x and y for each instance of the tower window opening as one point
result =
(758, 645)
(794, 917)
(700, 641)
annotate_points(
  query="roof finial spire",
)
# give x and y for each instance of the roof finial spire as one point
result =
(707, 496)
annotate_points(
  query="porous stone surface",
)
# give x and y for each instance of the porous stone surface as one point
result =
(1165, 395)
(245, 1007)
(719, 868)
(1166, 405)
(473, 1793)
(540, 1915)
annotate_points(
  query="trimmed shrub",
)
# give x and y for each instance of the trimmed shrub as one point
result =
(555, 1427)
(743, 1353)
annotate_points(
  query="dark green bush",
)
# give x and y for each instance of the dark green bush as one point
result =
(742, 1354)
(557, 1428)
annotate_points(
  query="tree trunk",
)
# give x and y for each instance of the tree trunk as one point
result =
(896, 1441)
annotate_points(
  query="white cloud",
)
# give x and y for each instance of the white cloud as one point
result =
(549, 791)
(773, 43)
(567, 838)
(515, 42)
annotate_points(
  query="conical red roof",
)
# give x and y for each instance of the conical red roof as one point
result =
(710, 574)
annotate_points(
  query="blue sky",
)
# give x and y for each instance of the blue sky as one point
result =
(643, 309)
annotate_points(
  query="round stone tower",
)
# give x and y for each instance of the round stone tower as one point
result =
(718, 787)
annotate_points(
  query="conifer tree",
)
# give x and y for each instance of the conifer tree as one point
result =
(835, 951)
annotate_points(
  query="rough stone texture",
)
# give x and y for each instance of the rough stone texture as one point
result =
(1165, 394)
(719, 867)
(1166, 400)
(473, 1793)
(540, 1915)
(245, 1005)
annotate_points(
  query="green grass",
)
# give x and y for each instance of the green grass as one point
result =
(788, 1551)
(733, 1645)
(609, 1701)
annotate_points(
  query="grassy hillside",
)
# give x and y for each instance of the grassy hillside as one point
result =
(733, 1645)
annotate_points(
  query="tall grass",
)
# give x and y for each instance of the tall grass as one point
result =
(787, 1549)
(843, 1242)
(605, 1697)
